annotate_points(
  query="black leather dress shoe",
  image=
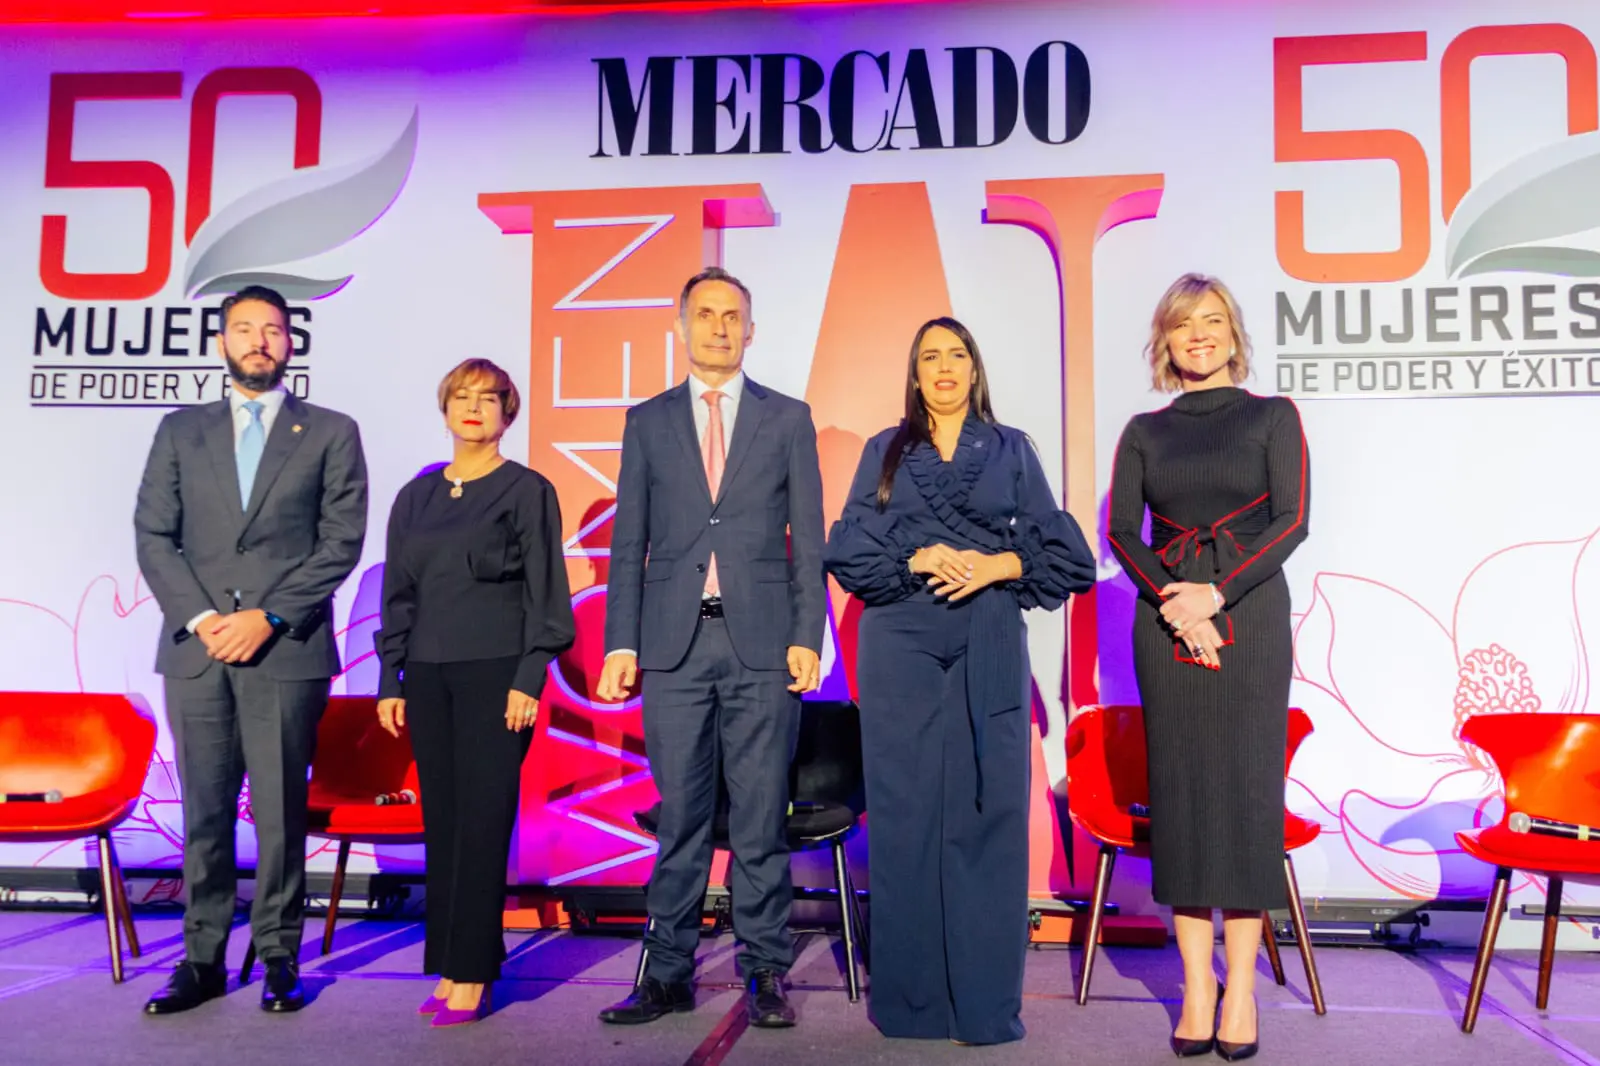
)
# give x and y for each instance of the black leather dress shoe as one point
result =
(651, 1000)
(282, 991)
(765, 1002)
(190, 985)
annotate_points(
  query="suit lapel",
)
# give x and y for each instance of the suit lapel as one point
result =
(218, 436)
(752, 407)
(681, 415)
(288, 430)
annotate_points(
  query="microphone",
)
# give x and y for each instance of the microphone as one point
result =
(53, 796)
(1518, 822)
(404, 796)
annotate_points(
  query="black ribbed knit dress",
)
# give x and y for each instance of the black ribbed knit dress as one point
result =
(1223, 474)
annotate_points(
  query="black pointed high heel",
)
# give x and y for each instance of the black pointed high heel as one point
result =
(1230, 1052)
(1185, 1048)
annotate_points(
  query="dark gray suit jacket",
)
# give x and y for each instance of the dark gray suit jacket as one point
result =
(285, 553)
(772, 591)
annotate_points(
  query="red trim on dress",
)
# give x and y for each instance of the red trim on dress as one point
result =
(1111, 509)
(1300, 515)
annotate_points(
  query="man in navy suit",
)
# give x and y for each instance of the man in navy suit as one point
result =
(716, 598)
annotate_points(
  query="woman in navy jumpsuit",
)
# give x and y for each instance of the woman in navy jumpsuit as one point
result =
(950, 532)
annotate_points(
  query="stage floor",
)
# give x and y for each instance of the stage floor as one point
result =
(58, 1005)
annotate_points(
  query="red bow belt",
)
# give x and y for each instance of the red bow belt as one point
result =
(1181, 547)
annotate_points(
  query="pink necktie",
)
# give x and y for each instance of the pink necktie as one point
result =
(714, 454)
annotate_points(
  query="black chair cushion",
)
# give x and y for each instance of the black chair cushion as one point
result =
(825, 779)
(810, 825)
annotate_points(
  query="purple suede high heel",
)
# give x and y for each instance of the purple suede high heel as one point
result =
(447, 1017)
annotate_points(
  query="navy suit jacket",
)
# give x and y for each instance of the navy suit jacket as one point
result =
(765, 527)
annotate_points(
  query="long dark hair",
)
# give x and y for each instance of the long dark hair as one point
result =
(917, 426)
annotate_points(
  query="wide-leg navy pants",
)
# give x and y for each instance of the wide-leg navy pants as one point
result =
(949, 882)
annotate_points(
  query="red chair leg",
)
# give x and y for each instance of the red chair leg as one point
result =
(1269, 938)
(124, 911)
(335, 894)
(1491, 929)
(108, 895)
(1547, 946)
(1297, 914)
(1091, 939)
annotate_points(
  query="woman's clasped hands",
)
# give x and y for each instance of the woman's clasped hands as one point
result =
(1190, 609)
(959, 574)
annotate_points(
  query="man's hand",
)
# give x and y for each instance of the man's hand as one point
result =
(206, 629)
(392, 716)
(238, 636)
(617, 677)
(806, 669)
(522, 711)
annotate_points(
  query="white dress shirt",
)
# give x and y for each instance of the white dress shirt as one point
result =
(732, 391)
(271, 403)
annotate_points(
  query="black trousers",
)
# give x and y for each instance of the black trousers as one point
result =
(714, 711)
(469, 766)
(229, 721)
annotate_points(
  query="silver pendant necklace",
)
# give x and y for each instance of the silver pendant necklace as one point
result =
(455, 491)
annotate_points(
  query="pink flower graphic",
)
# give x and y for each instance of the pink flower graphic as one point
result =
(1388, 685)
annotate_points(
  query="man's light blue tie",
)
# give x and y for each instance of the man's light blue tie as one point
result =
(252, 442)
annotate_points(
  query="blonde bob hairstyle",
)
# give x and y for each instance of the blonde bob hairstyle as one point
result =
(487, 376)
(1176, 304)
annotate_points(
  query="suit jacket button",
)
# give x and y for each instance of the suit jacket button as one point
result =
(240, 548)
(714, 521)
(699, 568)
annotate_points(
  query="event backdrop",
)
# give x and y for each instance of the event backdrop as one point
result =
(1401, 194)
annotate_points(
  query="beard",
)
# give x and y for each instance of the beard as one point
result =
(256, 382)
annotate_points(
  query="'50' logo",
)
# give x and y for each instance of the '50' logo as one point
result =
(64, 172)
(1510, 212)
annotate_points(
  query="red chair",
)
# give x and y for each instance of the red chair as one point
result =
(1550, 764)
(95, 750)
(1106, 774)
(356, 761)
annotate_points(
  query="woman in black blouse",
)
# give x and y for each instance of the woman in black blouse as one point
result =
(475, 607)
(1223, 474)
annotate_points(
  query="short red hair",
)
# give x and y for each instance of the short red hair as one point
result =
(471, 371)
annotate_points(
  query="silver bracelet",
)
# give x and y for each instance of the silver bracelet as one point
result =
(1216, 597)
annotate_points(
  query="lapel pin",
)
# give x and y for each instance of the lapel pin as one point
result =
(296, 428)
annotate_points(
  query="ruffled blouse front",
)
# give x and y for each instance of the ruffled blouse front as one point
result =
(992, 497)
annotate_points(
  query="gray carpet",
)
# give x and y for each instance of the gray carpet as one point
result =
(58, 1005)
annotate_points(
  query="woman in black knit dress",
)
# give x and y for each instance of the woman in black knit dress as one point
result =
(1223, 474)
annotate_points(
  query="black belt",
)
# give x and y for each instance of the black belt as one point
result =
(711, 607)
